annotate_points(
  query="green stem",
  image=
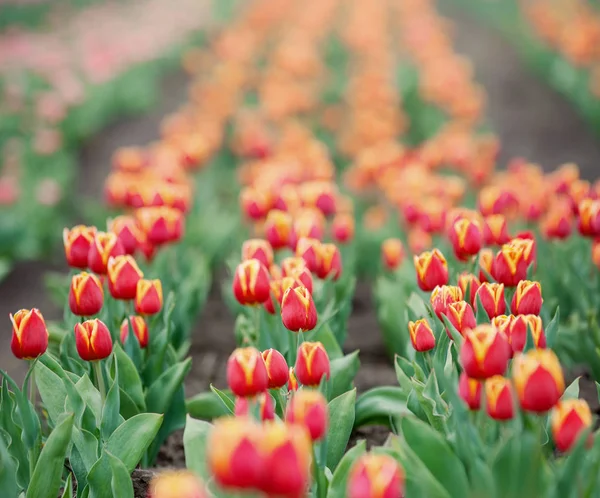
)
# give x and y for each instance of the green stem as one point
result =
(318, 476)
(256, 312)
(32, 391)
(99, 380)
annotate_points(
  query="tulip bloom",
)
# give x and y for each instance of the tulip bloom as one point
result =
(140, 330)
(251, 283)
(589, 218)
(246, 372)
(292, 384)
(258, 249)
(77, 243)
(499, 398)
(306, 226)
(266, 409)
(160, 224)
(128, 232)
(495, 230)
(486, 261)
(148, 297)
(375, 476)
(538, 379)
(461, 316)
(312, 363)
(442, 296)
(492, 299)
(510, 265)
(470, 391)
(308, 408)
(29, 334)
(469, 285)
(342, 228)
(103, 247)
(557, 224)
(123, 277)
(329, 262)
(527, 299)
(516, 328)
(392, 253)
(278, 228)
(569, 419)
(277, 368)
(485, 352)
(86, 295)
(432, 270)
(309, 251)
(93, 340)
(421, 335)
(466, 238)
(176, 484)
(298, 310)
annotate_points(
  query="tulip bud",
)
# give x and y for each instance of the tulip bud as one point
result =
(278, 228)
(461, 316)
(589, 218)
(486, 261)
(470, 391)
(432, 216)
(298, 310)
(499, 398)
(485, 352)
(277, 368)
(123, 277)
(266, 409)
(288, 199)
(176, 484)
(309, 251)
(306, 226)
(127, 231)
(103, 247)
(538, 379)
(342, 228)
(251, 283)
(301, 277)
(292, 265)
(421, 335)
(246, 372)
(148, 297)
(442, 296)
(419, 240)
(596, 253)
(329, 262)
(93, 340)
(254, 203)
(233, 457)
(527, 299)
(258, 249)
(469, 284)
(275, 296)
(432, 270)
(466, 238)
(516, 328)
(140, 330)
(375, 475)
(77, 243)
(29, 334)
(292, 384)
(492, 299)
(569, 419)
(495, 230)
(312, 363)
(510, 265)
(321, 195)
(392, 253)
(86, 295)
(308, 408)
(160, 224)
(557, 224)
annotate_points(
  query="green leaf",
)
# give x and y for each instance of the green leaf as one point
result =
(572, 392)
(380, 405)
(120, 484)
(552, 329)
(91, 396)
(343, 371)
(195, 438)
(481, 314)
(129, 378)
(161, 392)
(47, 475)
(131, 439)
(111, 418)
(338, 487)
(225, 399)
(100, 478)
(68, 488)
(206, 406)
(325, 336)
(8, 471)
(341, 421)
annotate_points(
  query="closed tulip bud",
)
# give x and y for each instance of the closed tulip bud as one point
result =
(419, 240)
(470, 391)
(233, 457)
(123, 277)
(495, 230)
(275, 296)
(298, 310)
(499, 398)
(266, 408)
(254, 203)
(310, 251)
(461, 316)
(301, 277)
(492, 299)
(469, 284)
(432, 270)
(392, 253)
(495, 200)
(510, 265)
(486, 261)
(306, 226)
(278, 228)
(442, 296)
(160, 224)
(329, 262)
(140, 330)
(93, 340)
(589, 218)
(246, 372)
(557, 224)
(128, 232)
(526, 242)
(432, 216)
(288, 199)
(569, 419)
(312, 363)
(538, 379)
(466, 238)
(308, 408)
(103, 247)
(251, 283)
(292, 384)
(86, 295)
(421, 335)
(515, 328)
(292, 265)
(527, 299)
(176, 484)
(148, 297)
(77, 242)
(29, 334)
(277, 368)
(485, 352)
(342, 228)
(258, 249)
(286, 453)
(375, 475)
(321, 195)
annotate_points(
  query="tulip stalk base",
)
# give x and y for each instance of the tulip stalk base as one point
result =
(319, 477)
(100, 380)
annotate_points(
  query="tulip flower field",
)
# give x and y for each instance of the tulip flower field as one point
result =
(331, 156)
